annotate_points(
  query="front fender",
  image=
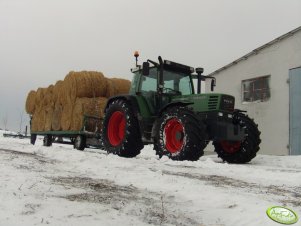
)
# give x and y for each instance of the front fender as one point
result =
(163, 109)
(173, 104)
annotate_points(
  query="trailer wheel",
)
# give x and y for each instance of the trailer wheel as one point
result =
(79, 142)
(33, 138)
(180, 135)
(47, 141)
(72, 139)
(121, 133)
(244, 151)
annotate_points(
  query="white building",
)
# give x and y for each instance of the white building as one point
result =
(267, 84)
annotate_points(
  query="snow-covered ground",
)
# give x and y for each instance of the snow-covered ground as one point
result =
(61, 186)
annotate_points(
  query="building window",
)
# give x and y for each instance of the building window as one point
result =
(256, 89)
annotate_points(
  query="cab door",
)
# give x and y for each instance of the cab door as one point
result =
(148, 90)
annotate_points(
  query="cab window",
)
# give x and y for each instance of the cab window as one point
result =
(185, 86)
(149, 83)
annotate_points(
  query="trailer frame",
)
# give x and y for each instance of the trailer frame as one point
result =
(79, 138)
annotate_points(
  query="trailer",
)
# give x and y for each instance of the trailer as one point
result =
(88, 136)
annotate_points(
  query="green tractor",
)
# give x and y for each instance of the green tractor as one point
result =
(163, 109)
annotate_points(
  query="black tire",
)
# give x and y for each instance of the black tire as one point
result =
(248, 147)
(72, 139)
(101, 146)
(180, 135)
(121, 134)
(47, 141)
(33, 138)
(79, 142)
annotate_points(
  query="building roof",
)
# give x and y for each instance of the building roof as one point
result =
(255, 51)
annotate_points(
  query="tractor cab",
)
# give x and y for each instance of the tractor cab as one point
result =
(160, 90)
(161, 84)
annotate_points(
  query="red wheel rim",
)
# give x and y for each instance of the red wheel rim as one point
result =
(116, 128)
(174, 135)
(230, 146)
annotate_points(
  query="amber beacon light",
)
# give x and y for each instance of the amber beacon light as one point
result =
(136, 55)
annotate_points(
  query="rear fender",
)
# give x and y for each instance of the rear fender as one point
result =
(129, 98)
(132, 102)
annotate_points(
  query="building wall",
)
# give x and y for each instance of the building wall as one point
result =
(272, 116)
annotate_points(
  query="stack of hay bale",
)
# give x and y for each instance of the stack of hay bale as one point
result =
(62, 106)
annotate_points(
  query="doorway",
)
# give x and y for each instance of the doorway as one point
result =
(295, 111)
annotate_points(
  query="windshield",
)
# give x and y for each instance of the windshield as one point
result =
(174, 82)
(178, 82)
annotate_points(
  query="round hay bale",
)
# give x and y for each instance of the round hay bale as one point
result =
(96, 107)
(34, 122)
(78, 112)
(57, 92)
(117, 86)
(110, 88)
(41, 119)
(30, 102)
(48, 97)
(98, 110)
(66, 118)
(56, 117)
(84, 84)
(48, 118)
(121, 86)
(50, 88)
(89, 107)
(38, 120)
(99, 84)
(69, 87)
(39, 97)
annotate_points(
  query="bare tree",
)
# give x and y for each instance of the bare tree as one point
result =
(21, 120)
(4, 121)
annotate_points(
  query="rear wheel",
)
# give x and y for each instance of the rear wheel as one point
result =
(33, 138)
(79, 142)
(121, 133)
(47, 141)
(240, 151)
(180, 135)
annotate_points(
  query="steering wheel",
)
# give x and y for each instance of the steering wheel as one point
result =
(172, 91)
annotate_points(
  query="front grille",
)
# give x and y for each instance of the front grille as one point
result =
(227, 103)
(212, 103)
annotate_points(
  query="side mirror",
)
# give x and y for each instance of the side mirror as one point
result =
(213, 84)
(145, 68)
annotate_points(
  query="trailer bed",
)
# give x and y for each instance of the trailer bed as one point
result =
(88, 135)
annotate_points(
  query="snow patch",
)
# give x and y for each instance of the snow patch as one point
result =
(61, 186)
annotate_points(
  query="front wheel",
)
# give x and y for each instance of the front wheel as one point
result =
(180, 135)
(121, 133)
(79, 142)
(240, 151)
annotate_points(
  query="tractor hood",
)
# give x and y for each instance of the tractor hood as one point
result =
(208, 102)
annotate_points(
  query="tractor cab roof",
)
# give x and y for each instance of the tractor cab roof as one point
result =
(172, 66)
(169, 66)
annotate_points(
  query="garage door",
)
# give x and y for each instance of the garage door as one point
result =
(295, 111)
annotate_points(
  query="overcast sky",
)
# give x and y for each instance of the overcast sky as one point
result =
(42, 40)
